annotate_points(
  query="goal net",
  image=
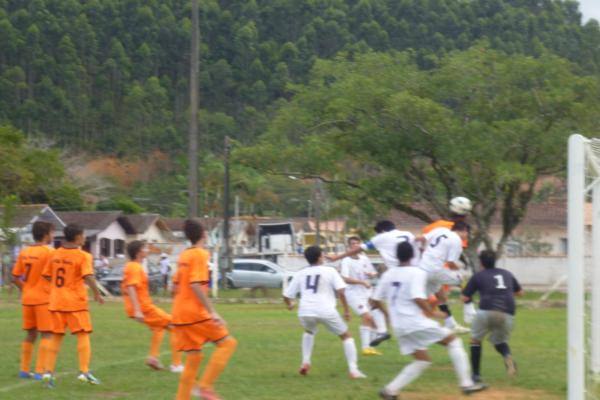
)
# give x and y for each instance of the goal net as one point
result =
(584, 271)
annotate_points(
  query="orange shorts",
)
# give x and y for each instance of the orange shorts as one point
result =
(192, 337)
(76, 321)
(37, 317)
(156, 318)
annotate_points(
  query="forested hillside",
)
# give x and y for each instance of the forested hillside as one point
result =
(110, 76)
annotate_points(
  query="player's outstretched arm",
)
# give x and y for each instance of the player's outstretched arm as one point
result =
(349, 253)
(203, 298)
(91, 282)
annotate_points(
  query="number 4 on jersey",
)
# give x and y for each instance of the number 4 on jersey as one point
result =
(312, 285)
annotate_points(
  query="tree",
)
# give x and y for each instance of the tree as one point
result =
(484, 124)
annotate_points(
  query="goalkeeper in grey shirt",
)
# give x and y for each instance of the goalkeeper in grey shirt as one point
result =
(496, 288)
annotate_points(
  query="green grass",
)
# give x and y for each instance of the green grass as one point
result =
(265, 365)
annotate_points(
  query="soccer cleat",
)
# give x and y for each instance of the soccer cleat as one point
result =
(461, 330)
(154, 363)
(476, 378)
(176, 369)
(304, 369)
(37, 377)
(381, 337)
(89, 378)
(369, 351)
(474, 388)
(386, 396)
(511, 365)
(48, 381)
(205, 394)
(357, 375)
(25, 375)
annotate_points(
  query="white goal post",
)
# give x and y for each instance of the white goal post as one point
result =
(583, 317)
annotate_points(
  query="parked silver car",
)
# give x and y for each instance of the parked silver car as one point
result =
(251, 273)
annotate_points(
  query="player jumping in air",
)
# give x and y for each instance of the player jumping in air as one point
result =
(496, 288)
(69, 271)
(357, 271)
(317, 286)
(385, 242)
(403, 289)
(35, 296)
(138, 305)
(195, 319)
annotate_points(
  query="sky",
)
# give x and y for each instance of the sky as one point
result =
(590, 9)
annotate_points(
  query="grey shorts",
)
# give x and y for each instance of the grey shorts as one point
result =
(497, 324)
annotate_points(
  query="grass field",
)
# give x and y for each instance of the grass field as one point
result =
(265, 365)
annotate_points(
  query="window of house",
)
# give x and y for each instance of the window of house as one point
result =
(105, 247)
(119, 246)
(564, 246)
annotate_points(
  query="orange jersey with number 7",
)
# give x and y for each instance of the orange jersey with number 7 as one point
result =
(67, 269)
(29, 266)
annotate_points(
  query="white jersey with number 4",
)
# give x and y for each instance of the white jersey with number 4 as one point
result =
(357, 268)
(399, 287)
(443, 245)
(386, 243)
(317, 286)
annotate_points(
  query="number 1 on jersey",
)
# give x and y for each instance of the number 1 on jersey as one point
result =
(500, 280)
(312, 285)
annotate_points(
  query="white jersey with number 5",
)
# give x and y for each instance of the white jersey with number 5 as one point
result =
(443, 245)
(317, 286)
(399, 287)
(386, 244)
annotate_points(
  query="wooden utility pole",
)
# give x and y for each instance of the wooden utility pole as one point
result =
(226, 265)
(194, 95)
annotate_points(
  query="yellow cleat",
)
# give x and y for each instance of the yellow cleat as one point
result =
(369, 351)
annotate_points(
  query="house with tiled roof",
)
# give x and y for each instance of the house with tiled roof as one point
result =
(105, 234)
(151, 228)
(24, 215)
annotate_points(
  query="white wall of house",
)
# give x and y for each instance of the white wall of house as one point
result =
(113, 232)
(152, 235)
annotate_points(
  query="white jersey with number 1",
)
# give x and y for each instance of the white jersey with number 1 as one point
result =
(386, 243)
(317, 286)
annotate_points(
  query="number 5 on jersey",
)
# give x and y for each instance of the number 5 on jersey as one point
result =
(312, 285)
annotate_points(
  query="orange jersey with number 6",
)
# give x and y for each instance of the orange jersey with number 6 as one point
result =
(29, 266)
(67, 269)
(192, 267)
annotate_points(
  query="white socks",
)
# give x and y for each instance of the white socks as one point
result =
(350, 352)
(308, 342)
(379, 319)
(460, 361)
(450, 322)
(365, 336)
(408, 374)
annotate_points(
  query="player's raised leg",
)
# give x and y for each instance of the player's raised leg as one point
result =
(216, 364)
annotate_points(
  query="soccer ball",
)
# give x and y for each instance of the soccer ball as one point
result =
(460, 205)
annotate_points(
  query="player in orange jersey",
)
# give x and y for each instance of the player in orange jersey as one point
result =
(195, 319)
(69, 270)
(138, 305)
(35, 295)
(459, 209)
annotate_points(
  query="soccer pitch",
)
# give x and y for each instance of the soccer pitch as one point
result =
(268, 356)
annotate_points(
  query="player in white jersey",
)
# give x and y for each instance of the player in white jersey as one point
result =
(444, 247)
(403, 289)
(357, 271)
(317, 286)
(385, 242)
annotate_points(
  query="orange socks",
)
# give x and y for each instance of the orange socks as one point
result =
(26, 351)
(175, 354)
(186, 382)
(157, 337)
(218, 362)
(84, 349)
(43, 349)
(52, 352)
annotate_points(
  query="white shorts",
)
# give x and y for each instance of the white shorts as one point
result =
(358, 304)
(333, 322)
(422, 339)
(441, 276)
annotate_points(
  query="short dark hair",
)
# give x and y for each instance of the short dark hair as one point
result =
(41, 229)
(487, 258)
(134, 248)
(405, 251)
(71, 231)
(194, 231)
(461, 226)
(384, 226)
(351, 238)
(312, 254)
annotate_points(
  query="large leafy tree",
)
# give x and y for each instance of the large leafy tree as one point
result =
(484, 124)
